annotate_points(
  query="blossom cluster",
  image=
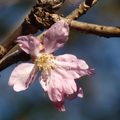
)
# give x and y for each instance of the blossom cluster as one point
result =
(58, 72)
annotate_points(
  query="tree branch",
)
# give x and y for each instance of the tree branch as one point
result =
(16, 54)
(38, 19)
(104, 31)
(12, 58)
(99, 30)
(82, 27)
(82, 9)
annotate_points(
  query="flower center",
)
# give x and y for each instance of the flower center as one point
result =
(45, 62)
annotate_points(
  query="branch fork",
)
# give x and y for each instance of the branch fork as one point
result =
(42, 16)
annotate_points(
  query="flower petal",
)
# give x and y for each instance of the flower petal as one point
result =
(30, 45)
(69, 86)
(56, 36)
(57, 86)
(23, 76)
(54, 86)
(69, 65)
(44, 78)
(51, 83)
(67, 58)
(59, 105)
(73, 59)
(78, 93)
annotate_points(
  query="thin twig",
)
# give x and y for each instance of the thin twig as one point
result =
(99, 30)
(12, 58)
(82, 27)
(82, 9)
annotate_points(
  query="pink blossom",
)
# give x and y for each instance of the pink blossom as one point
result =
(58, 72)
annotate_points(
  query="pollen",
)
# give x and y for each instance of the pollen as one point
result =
(67, 96)
(45, 62)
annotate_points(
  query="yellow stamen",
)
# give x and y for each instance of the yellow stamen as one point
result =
(45, 62)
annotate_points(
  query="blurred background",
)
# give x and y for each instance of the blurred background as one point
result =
(101, 99)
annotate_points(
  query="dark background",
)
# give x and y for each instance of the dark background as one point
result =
(101, 99)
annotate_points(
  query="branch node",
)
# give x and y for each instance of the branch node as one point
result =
(2, 51)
